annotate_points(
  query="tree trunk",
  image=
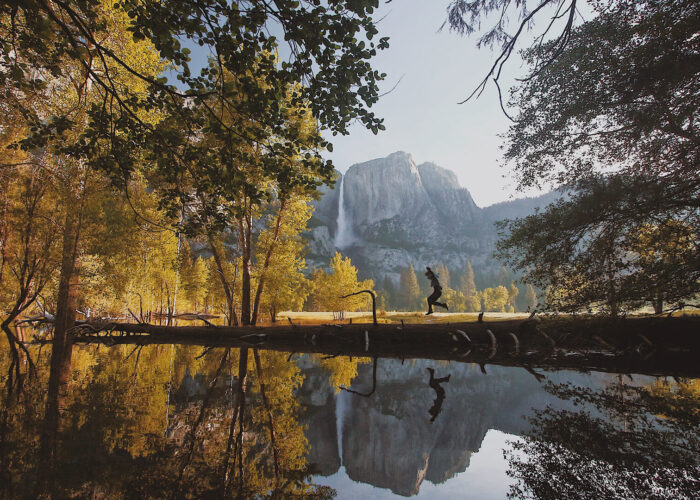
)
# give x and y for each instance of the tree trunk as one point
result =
(66, 302)
(178, 264)
(245, 233)
(4, 230)
(236, 417)
(266, 264)
(228, 287)
(270, 418)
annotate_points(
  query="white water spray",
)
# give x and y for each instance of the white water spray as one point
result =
(343, 232)
(340, 410)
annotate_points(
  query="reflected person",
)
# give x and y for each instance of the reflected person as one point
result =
(434, 383)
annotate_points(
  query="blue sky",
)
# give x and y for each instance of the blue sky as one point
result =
(422, 117)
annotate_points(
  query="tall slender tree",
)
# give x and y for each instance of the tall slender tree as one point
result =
(409, 289)
(466, 281)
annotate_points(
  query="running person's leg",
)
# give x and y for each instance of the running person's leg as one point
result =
(435, 297)
(432, 300)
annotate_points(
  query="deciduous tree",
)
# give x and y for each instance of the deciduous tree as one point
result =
(613, 118)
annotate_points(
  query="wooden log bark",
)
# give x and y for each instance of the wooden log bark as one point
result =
(674, 352)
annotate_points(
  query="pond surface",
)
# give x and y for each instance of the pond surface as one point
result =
(169, 421)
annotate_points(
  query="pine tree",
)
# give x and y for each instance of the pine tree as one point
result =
(513, 293)
(443, 273)
(466, 281)
(503, 277)
(389, 291)
(409, 289)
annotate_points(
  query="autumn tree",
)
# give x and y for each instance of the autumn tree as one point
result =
(108, 57)
(30, 252)
(455, 299)
(663, 249)
(341, 279)
(341, 370)
(194, 279)
(286, 286)
(495, 299)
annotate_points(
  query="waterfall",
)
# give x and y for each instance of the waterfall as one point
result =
(340, 410)
(343, 231)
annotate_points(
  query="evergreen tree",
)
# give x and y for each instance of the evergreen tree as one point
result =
(503, 276)
(513, 293)
(409, 289)
(443, 273)
(389, 292)
(466, 281)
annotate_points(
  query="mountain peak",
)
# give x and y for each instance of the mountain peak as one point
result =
(401, 154)
(435, 177)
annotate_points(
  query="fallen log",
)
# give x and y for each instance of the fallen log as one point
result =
(577, 346)
(621, 334)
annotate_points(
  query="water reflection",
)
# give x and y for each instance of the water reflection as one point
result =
(181, 421)
(643, 442)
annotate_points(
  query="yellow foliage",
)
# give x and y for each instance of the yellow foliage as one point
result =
(328, 288)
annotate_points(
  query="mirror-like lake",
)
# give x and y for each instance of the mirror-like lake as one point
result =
(172, 421)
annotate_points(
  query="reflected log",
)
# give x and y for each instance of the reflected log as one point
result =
(674, 351)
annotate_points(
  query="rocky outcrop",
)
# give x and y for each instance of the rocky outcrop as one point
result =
(403, 213)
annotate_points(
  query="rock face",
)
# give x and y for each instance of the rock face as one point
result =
(403, 213)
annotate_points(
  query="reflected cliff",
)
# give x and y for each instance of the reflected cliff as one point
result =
(388, 439)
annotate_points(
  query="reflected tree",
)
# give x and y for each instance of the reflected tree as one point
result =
(625, 442)
(119, 430)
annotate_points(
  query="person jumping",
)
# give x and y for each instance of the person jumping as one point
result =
(437, 291)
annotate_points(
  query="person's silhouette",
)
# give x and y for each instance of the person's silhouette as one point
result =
(439, 393)
(437, 291)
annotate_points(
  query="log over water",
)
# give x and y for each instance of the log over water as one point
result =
(653, 346)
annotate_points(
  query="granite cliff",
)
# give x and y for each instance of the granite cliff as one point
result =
(396, 212)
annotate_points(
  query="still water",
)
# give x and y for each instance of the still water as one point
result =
(173, 421)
